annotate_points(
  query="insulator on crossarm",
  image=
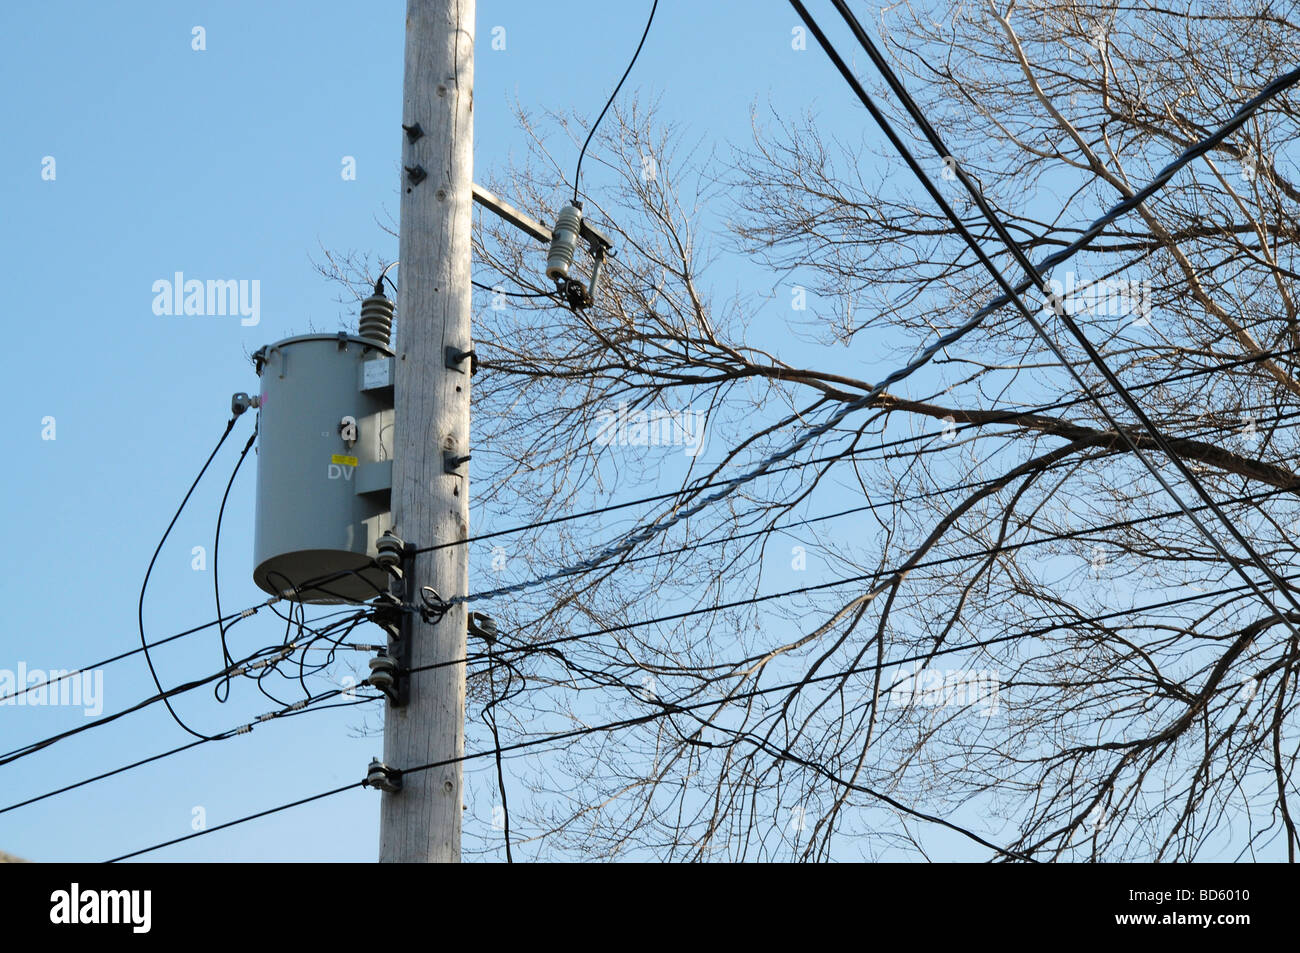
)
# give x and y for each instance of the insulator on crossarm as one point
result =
(564, 243)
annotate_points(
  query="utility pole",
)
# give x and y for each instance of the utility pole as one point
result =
(422, 821)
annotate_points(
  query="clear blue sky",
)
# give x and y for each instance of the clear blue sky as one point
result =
(225, 163)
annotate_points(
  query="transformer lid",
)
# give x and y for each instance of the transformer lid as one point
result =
(342, 337)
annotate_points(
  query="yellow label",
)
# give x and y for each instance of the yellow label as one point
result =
(345, 461)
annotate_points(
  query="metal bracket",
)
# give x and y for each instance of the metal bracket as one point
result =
(413, 132)
(595, 238)
(482, 625)
(343, 340)
(391, 614)
(415, 174)
(451, 463)
(453, 357)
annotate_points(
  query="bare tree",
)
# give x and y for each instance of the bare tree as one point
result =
(1016, 637)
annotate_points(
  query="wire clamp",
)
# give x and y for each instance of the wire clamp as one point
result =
(241, 402)
(482, 625)
(435, 606)
(381, 777)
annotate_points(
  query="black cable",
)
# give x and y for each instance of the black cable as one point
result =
(1035, 278)
(240, 820)
(106, 774)
(516, 294)
(225, 735)
(144, 585)
(162, 696)
(489, 716)
(670, 708)
(1094, 356)
(531, 648)
(234, 617)
(216, 556)
(578, 172)
(945, 340)
(1001, 416)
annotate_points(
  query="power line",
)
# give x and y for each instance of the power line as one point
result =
(241, 820)
(674, 708)
(250, 662)
(945, 340)
(1035, 275)
(998, 417)
(433, 602)
(578, 172)
(532, 648)
(233, 617)
(286, 712)
(515, 294)
(251, 610)
(216, 543)
(144, 645)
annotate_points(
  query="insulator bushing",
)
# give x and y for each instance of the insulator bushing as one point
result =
(564, 242)
(382, 777)
(388, 553)
(383, 672)
(376, 319)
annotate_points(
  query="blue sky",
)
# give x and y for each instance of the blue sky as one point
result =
(225, 163)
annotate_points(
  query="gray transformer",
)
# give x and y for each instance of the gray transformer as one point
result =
(324, 466)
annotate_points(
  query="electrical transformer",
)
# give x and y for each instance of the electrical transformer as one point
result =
(325, 461)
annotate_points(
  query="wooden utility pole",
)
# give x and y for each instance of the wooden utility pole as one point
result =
(422, 821)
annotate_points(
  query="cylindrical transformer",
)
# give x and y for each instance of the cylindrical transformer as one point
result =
(324, 467)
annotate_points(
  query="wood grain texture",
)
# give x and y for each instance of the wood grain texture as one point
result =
(422, 823)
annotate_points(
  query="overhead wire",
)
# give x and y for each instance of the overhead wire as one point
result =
(1034, 275)
(312, 704)
(945, 340)
(145, 584)
(595, 125)
(533, 647)
(958, 428)
(216, 550)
